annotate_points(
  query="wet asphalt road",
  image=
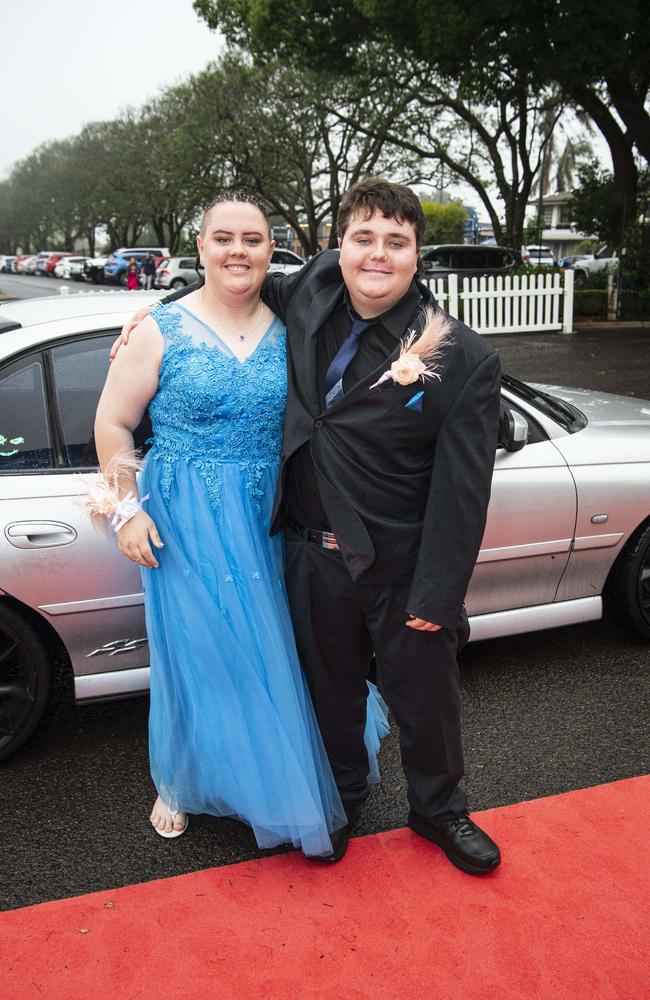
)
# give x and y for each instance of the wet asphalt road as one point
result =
(542, 714)
(28, 286)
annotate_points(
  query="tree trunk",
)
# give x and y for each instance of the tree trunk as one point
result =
(158, 226)
(632, 111)
(625, 172)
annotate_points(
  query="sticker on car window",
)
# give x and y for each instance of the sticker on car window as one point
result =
(10, 443)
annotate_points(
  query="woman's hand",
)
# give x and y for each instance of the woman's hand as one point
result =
(133, 540)
(128, 328)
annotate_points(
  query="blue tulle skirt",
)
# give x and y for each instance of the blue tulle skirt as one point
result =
(232, 731)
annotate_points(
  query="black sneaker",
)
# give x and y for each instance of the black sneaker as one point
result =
(465, 844)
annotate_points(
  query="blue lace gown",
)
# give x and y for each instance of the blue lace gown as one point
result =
(232, 730)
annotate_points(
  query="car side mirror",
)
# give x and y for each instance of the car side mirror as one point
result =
(513, 430)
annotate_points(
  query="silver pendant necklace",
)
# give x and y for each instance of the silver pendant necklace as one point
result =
(247, 333)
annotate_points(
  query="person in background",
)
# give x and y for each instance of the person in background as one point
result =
(148, 270)
(132, 279)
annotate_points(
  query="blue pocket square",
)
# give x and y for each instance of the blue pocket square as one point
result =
(415, 402)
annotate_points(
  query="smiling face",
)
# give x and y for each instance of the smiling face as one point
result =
(379, 258)
(235, 248)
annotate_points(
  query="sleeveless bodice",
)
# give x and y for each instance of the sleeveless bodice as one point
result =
(211, 408)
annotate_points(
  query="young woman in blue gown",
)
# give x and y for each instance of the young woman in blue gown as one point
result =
(232, 731)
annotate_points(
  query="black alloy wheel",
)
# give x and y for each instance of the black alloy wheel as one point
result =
(631, 582)
(25, 680)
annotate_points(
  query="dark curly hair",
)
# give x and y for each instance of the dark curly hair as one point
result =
(394, 201)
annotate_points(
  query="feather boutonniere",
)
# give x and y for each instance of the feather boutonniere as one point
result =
(419, 356)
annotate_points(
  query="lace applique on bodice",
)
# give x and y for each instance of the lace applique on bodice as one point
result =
(211, 408)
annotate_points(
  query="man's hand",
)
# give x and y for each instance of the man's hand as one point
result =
(421, 625)
(128, 328)
(133, 540)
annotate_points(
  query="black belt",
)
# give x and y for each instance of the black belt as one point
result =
(325, 539)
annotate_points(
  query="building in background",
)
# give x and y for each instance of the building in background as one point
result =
(556, 230)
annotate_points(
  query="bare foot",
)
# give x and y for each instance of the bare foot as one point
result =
(164, 821)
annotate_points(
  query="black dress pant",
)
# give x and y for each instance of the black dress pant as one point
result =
(338, 625)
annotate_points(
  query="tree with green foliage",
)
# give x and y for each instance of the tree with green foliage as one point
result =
(444, 223)
(283, 135)
(595, 205)
(597, 54)
(498, 148)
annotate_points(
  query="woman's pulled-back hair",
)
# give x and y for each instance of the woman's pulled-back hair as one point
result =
(394, 201)
(226, 197)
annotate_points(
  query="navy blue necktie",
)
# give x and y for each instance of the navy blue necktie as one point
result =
(342, 358)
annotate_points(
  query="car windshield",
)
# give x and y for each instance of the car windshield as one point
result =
(563, 413)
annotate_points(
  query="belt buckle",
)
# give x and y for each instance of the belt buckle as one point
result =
(328, 540)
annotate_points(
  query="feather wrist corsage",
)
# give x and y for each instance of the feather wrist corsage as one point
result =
(419, 356)
(103, 500)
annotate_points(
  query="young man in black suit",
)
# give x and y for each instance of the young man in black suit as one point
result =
(382, 497)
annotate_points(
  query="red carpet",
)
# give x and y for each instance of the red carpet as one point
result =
(564, 917)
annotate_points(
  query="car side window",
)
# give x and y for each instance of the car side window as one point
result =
(79, 371)
(25, 441)
(437, 258)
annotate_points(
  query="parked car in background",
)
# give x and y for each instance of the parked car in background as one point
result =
(573, 259)
(286, 261)
(70, 268)
(94, 269)
(7, 263)
(29, 264)
(603, 262)
(175, 272)
(538, 256)
(20, 263)
(54, 260)
(568, 527)
(117, 265)
(465, 260)
(42, 259)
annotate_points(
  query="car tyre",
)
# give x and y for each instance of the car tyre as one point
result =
(25, 680)
(177, 283)
(580, 279)
(630, 590)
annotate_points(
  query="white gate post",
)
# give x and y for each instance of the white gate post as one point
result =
(452, 292)
(567, 309)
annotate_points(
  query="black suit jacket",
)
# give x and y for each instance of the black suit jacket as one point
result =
(405, 492)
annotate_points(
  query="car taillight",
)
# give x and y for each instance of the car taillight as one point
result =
(163, 271)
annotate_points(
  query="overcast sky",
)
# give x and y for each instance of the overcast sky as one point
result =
(68, 62)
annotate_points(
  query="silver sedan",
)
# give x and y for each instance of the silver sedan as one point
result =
(568, 526)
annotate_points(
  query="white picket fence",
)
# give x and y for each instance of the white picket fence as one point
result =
(520, 304)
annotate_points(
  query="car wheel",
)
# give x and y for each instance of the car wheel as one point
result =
(123, 279)
(580, 279)
(177, 283)
(25, 680)
(630, 589)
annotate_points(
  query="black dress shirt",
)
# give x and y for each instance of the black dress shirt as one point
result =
(378, 341)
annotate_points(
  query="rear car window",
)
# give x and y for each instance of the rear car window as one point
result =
(24, 429)
(79, 371)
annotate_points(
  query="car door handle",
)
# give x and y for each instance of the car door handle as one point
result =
(39, 534)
